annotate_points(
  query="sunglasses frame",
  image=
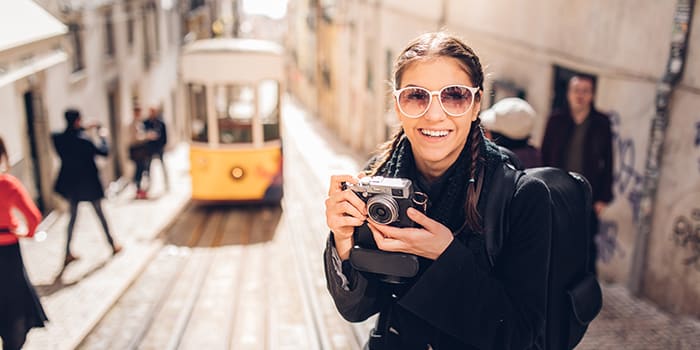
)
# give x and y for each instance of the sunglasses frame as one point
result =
(473, 90)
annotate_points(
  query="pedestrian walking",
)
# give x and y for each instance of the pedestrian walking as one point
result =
(455, 300)
(20, 308)
(155, 125)
(139, 151)
(578, 138)
(78, 179)
(509, 123)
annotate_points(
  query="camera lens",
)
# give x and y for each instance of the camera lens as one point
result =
(382, 209)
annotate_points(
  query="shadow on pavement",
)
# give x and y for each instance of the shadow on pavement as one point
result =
(57, 284)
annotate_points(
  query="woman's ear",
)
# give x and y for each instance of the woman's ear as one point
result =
(476, 110)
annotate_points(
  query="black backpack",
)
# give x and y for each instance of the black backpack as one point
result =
(574, 297)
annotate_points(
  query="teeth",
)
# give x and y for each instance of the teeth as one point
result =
(434, 133)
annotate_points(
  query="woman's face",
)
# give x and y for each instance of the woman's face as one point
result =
(437, 138)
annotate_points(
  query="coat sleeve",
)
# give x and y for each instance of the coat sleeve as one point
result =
(547, 143)
(102, 148)
(504, 308)
(606, 192)
(21, 200)
(355, 297)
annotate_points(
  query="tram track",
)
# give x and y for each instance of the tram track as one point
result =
(309, 238)
(145, 303)
(230, 278)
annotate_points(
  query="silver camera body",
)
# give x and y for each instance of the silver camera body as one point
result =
(388, 199)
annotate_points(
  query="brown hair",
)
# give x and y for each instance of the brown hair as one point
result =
(3, 153)
(433, 45)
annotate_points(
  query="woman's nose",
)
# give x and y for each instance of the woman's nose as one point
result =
(434, 111)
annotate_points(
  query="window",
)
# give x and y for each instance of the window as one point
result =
(268, 108)
(75, 33)
(146, 43)
(151, 41)
(109, 34)
(129, 25)
(197, 97)
(235, 110)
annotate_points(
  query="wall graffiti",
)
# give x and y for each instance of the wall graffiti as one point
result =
(697, 140)
(686, 234)
(606, 241)
(627, 180)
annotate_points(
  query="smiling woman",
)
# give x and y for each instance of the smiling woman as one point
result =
(455, 300)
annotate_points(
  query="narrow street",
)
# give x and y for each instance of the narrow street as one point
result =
(247, 277)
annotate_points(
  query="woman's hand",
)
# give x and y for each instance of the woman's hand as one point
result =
(344, 211)
(429, 241)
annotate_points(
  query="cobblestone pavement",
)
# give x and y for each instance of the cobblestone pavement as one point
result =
(626, 322)
(75, 298)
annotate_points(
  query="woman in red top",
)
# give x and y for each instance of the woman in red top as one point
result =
(20, 309)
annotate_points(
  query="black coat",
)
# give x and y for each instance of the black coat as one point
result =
(458, 301)
(158, 126)
(597, 148)
(79, 177)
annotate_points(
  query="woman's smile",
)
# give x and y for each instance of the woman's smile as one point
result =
(434, 134)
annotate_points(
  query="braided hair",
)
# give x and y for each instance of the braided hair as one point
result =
(433, 45)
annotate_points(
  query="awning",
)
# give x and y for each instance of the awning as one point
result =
(23, 22)
(37, 64)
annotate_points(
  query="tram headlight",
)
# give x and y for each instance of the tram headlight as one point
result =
(237, 173)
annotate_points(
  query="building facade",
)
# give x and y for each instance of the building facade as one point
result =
(529, 49)
(29, 52)
(114, 55)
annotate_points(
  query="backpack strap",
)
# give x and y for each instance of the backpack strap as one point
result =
(496, 221)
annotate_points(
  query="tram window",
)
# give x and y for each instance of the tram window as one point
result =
(268, 105)
(235, 109)
(197, 95)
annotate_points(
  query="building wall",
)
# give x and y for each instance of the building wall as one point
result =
(124, 73)
(624, 43)
(603, 38)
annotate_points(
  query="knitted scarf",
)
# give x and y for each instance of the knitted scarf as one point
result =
(449, 208)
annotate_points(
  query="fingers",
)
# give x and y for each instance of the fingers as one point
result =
(344, 209)
(392, 239)
(337, 183)
(383, 241)
(423, 220)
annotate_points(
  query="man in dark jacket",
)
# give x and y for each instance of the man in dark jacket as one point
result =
(79, 179)
(155, 126)
(579, 138)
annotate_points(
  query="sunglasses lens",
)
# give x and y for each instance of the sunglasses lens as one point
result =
(414, 101)
(456, 99)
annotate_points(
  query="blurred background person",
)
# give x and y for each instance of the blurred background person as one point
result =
(578, 138)
(139, 151)
(158, 136)
(79, 179)
(509, 123)
(20, 308)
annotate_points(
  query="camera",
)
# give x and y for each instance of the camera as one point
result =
(387, 201)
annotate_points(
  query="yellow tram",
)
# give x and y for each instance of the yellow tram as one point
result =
(233, 91)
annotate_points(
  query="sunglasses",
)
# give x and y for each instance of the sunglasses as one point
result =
(455, 100)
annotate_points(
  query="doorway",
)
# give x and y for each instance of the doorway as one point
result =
(114, 129)
(32, 105)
